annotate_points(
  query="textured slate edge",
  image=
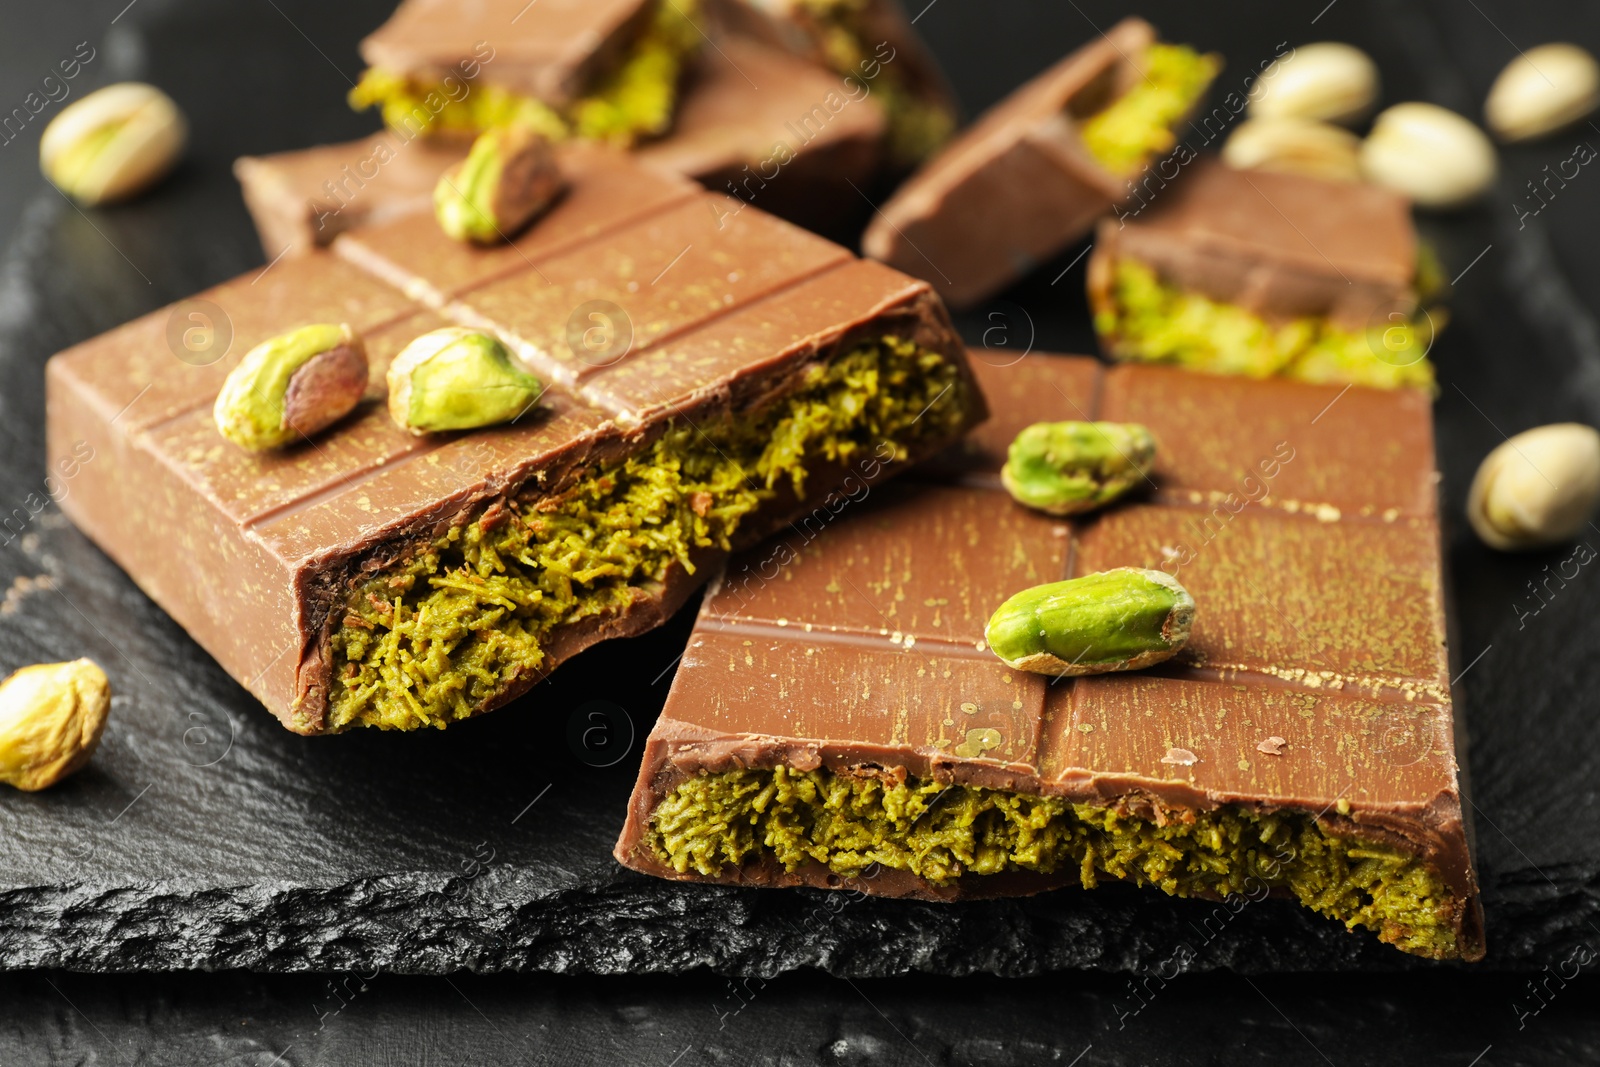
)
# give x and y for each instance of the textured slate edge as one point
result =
(620, 923)
(343, 1019)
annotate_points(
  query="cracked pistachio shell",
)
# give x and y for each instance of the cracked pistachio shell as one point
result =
(51, 719)
(113, 143)
(1116, 620)
(457, 379)
(1434, 156)
(1538, 488)
(507, 180)
(1068, 467)
(1328, 81)
(292, 386)
(1542, 90)
(1295, 146)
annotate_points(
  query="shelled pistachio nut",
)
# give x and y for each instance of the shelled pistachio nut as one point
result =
(1295, 146)
(51, 719)
(1538, 488)
(1542, 90)
(457, 379)
(1328, 81)
(292, 386)
(113, 143)
(1069, 467)
(507, 180)
(1117, 620)
(1434, 156)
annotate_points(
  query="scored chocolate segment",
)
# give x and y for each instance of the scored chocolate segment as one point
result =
(1393, 755)
(302, 200)
(1294, 596)
(416, 256)
(257, 554)
(671, 272)
(1216, 433)
(174, 359)
(869, 565)
(738, 682)
(853, 645)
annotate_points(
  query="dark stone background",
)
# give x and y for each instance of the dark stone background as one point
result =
(203, 836)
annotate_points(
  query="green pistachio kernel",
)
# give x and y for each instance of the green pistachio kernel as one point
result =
(457, 379)
(508, 178)
(1068, 467)
(292, 386)
(1117, 620)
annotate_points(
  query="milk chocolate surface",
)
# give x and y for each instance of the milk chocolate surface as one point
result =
(551, 50)
(301, 200)
(1018, 185)
(753, 122)
(252, 553)
(1316, 681)
(1280, 245)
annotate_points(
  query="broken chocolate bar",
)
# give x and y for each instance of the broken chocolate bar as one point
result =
(838, 722)
(1262, 274)
(596, 69)
(788, 147)
(1034, 173)
(872, 46)
(709, 373)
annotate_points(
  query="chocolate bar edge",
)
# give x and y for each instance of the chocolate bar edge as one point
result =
(679, 752)
(318, 581)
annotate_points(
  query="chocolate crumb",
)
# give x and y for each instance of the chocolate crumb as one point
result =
(1273, 746)
(1180, 756)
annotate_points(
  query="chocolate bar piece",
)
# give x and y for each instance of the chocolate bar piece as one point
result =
(598, 69)
(1261, 274)
(709, 372)
(791, 145)
(302, 200)
(1034, 172)
(838, 722)
(873, 47)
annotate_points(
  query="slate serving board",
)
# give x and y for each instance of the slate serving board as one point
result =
(205, 836)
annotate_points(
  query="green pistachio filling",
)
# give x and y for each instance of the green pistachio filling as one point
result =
(943, 833)
(1138, 124)
(917, 127)
(636, 100)
(1151, 321)
(436, 638)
